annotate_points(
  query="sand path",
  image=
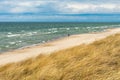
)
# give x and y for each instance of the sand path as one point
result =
(64, 43)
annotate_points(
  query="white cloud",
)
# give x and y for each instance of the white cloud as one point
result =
(27, 6)
(108, 6)
(22, 6)
(22, 9)
(74, 7)
(77, 7)
(58, 6)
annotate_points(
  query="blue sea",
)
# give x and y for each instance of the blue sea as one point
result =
(14, 35)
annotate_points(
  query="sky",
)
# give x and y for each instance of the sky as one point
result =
(60, 10)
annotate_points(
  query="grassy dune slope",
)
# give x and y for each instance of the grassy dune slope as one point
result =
(97, 61)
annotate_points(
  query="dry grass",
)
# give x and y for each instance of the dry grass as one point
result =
(97, 61)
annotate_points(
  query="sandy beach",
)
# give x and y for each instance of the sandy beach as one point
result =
(49, 47)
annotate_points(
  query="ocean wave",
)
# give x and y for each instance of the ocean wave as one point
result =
(9, 33)
(55, 31)
(34, 32)
(47, 33)
(67, 28)
(19, 41)
(105, 27)
(12, 43)
(52, 29)
(43, 41)
(28, 33)
(31, 33)
(88, 27)
(13, 35)
(7, 46)
(97, 27)
(76, 27)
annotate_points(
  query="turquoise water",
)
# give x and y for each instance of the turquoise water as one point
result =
(17, 35)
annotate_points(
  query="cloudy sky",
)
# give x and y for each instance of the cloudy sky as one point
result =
(60, 10)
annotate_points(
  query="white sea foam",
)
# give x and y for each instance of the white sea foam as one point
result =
(19, 41)
(43, 41)
(29, 34)
(12, 43)
(7, 46)
(34, 32)
(47, 33)
(76, 28)
(54, 28)
(96, 27)
(49, 29)
(9, 33)
(13, 35)
(88, 27)
(54, 31)
(67, 28)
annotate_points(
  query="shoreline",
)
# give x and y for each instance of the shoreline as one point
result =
(53, 46)
(52, 40)
(62, 37)
(37, 44)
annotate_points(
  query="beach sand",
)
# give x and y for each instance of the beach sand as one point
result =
(49, 47)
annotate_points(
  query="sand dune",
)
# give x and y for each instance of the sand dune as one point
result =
(47, 48)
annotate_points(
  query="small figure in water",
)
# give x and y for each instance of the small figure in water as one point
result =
(68, 35)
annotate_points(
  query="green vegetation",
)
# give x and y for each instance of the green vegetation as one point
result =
(97, 61)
